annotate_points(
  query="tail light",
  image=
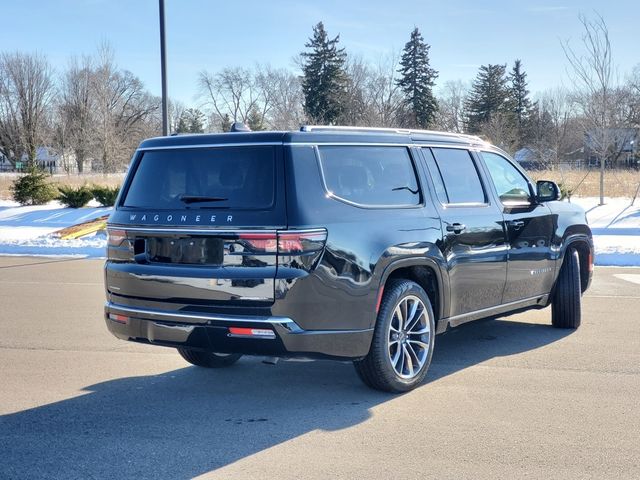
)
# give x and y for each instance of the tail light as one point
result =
(261, 242)
(301, 250)
(115, 237)
(286, 242)
(303, 242)
(119, 246)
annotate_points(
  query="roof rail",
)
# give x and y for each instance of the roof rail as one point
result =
(401, 131)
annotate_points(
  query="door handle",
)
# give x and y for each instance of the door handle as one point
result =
(517, 224)
(456, 227)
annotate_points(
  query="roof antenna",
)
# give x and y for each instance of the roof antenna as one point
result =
(239, 127)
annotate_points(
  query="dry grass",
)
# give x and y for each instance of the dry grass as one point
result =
(586, 183)
(6, 179)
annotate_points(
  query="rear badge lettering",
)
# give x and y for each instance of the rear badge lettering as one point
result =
(186, 219)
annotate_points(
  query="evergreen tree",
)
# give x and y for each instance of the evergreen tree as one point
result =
(225, 123)
(416, 82)
(195, 120)
(191, 121)
(255, 121)
(519, 93)
(182, 124)
(490, 95)
(324, 79)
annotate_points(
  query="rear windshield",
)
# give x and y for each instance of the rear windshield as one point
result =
(226, 177)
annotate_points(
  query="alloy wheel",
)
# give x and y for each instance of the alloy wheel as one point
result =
(409, 337)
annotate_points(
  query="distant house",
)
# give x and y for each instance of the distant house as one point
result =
(621, 143)
(528, 159)
(47, 158)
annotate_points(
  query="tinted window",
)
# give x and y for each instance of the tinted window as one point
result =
(234, 177)
(371, 176)
(459, 174)
(511, 186)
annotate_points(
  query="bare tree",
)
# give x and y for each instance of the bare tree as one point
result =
(382, 94)
(355, 103)
(282, 94)
(232, 92)
(26, 94)
(593, 74)
(501, 131)
(121, 107)
(555, 136)
(176, 110)
(450, 116)
(76, 107)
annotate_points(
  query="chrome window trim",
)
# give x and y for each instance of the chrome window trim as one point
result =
(487, 203)
(361, 205)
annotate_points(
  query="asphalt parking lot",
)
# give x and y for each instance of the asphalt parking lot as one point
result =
(508, 398)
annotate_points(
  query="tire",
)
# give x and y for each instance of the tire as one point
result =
(398, 360)
(209, 359)
(566, 305)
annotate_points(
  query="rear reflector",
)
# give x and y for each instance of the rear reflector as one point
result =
(379, 300)
(118, 318)
(251, 332)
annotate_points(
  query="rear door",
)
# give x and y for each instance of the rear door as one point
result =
(529, 227)
(198, 226)
(474, 244)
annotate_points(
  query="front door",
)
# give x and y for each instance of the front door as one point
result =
(529, 227)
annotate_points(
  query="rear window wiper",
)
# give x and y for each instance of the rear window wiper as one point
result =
(201, 198)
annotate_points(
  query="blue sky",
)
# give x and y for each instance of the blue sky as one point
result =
(213, 34)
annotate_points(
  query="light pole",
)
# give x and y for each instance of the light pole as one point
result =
(163, 68)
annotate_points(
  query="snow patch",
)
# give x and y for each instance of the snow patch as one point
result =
(616, 229)
(27, 230)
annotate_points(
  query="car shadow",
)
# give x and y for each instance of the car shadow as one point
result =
(190, 421)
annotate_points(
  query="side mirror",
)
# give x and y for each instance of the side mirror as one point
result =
(547, 191)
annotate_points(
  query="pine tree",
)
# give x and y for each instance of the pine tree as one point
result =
(225, 123)
(489, 96)
(195, 120)
(519, 93)
(416, 82)
(324, 79)
(191, 121)
(182, 124)
(520, 103)
(255, 121)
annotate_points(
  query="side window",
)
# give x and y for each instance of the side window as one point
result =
(512, 187)
(459, 175)
(371, 176)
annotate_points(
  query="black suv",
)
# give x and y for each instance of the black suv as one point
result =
(334, 242)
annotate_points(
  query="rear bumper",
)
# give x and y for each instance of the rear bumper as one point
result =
(211, 333)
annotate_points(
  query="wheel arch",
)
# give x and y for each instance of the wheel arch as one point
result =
(428, 274)
(583, 244)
